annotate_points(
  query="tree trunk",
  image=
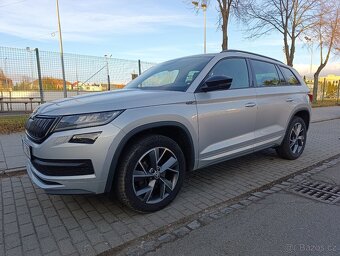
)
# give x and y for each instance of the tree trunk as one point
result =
(315, 87)
(224, 33)
(291, 54)
(286, 49)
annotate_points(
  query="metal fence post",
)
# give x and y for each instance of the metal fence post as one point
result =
(139, 68)
(338, 95)
(39, 76)
(108, 74)
(1, 104)
(10, 100)
(323, 89)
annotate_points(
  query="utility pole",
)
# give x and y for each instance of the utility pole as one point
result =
(61, 52)
(310, 46)
(203, 6)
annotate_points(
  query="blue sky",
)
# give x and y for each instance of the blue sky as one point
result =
(150, 30)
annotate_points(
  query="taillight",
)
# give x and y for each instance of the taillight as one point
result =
(310, 97)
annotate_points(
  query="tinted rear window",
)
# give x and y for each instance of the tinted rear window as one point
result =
(290, 77)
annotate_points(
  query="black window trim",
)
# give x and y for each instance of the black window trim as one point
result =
(297, 79)
(250, 75)
(254, 76)
(284, 78)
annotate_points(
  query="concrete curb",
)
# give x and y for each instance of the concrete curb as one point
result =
(13, 172)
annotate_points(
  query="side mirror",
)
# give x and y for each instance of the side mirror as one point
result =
(215, 83)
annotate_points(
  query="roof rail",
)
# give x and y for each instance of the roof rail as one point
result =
(256, 54)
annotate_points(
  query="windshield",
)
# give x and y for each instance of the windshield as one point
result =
(173, 75)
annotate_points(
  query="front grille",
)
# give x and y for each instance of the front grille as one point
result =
(38, 127)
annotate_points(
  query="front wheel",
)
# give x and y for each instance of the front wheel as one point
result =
(150, 174)
(294, 141)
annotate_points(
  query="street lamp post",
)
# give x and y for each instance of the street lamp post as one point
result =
(310, 44)
(61, 52)
(203, 6)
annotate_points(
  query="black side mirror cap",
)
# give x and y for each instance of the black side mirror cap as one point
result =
(216, 83)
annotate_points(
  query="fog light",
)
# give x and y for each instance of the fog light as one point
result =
(86, 138)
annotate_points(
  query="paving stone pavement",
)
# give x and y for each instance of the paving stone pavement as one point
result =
(34, 223)
(11, 153)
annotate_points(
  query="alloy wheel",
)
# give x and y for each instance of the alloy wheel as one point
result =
(297, 138)
(155, 175)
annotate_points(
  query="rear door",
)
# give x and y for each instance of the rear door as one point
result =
(226, 118)
(275, 101)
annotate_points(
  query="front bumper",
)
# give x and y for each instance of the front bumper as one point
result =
(57, 149)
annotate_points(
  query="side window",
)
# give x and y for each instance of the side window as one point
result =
(236, 68)
(265, 73)
(290, 77)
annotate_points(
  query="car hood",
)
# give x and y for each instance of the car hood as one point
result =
(113, 100)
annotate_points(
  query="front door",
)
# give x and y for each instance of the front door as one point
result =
(226, 118)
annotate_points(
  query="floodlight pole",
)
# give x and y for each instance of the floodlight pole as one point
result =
(203, 6)
(61, 52)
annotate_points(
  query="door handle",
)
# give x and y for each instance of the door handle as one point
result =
(250, 104)
(289, 99)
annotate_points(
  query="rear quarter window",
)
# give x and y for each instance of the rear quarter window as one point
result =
(291, 79)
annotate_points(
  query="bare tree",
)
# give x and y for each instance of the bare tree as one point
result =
(225, 9)
(288, 17)
(326, 33)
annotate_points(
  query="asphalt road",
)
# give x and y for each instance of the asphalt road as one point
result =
(281, 224)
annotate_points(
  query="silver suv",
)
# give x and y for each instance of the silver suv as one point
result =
(180, 115)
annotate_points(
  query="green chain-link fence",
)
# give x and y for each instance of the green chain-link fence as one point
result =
(29, 76)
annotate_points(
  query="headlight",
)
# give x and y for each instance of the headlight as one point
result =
(86, 120)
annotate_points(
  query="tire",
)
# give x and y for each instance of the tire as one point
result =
(293, 145)
(150, 174)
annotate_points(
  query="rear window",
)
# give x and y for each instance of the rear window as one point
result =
(265, 73)
(290, 77)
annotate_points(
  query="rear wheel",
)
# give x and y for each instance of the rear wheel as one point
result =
(294, 141)
(150, 174)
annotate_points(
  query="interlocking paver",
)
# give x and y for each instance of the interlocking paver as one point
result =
(90, 224)
(59, 233)
(17, 251)
(12, 241)
(54, 221)
(77, 235)
(85, 248)
(43, 231)
(10, 228)
(26, 229)
(30, 242)
(39, 220)
(34, 252)
(48, 245)
(101, 247)
(66, 247)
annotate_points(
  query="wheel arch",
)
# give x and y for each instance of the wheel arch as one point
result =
(304, 114)
(172, 129)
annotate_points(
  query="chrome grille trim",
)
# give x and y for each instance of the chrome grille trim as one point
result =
(39, 127)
